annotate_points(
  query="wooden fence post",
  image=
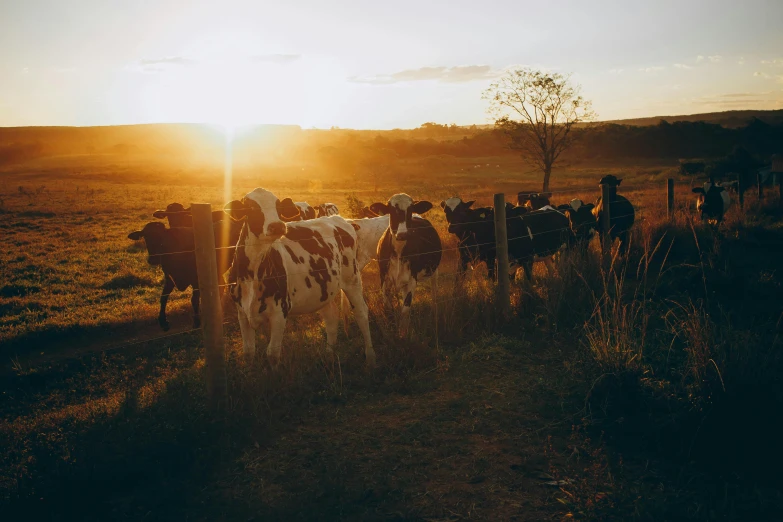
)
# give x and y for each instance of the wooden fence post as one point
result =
(502, 295)
(760, 186)
(211, 312)
(740, 191)
(670, 197)
(606, 224)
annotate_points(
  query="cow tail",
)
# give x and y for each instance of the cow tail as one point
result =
(344, 307)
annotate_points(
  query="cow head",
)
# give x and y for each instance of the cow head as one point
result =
(533, 200)
(710, 202)
(266, 216)
(610, 180)
(580, 218)
(178, 215)
(400, 209)
(458, 213)
(154, 236)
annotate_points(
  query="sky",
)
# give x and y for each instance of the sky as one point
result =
(370, 64)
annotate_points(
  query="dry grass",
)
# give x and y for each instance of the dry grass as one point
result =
(671, 351)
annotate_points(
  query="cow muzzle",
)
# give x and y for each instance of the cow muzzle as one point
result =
(401, 236)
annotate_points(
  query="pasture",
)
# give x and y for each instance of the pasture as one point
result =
(639, 388)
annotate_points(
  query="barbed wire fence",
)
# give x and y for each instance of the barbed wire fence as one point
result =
(205, 252)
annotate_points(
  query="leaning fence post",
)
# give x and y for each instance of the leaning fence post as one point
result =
(606, 223)
(211, 312)
(503, 298)
(670, 197)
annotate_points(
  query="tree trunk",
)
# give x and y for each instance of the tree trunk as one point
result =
(547, 175)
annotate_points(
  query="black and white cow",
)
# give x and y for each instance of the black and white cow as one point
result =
(475, 231)
(305, 210)
(622, 213)
(173, 249)
(581, 220)
(533, 200)
(409, 251)
(283, 269)
(179, 216)
(327, 209)
(713, 202)
(537, 236)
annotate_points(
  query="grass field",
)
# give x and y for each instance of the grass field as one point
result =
(647, 391)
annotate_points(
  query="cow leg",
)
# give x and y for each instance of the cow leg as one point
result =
(248, 335)
(550, 266)
(386, 293)
(194, 302)
(405, 320)
(168, 287)
(361, 314)
(331, 317)
(622, 248)
(528, 266)
(276, 329)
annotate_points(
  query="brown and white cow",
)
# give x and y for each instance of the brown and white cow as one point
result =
(305, 210)
(409, 251)
(283, 269)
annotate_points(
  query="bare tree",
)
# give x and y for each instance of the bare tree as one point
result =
(537, 110)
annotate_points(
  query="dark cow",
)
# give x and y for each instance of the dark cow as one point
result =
(622, 213)
(173, 249)
(305, 211)
(283, 269)
(475, 231)
(409, 250)
(713, 202)
(327, 209)
(536, 236)
(179, 216)
(581, 220)
(533, 200)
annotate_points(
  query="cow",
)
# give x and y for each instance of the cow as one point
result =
(475, 231)
(327, 209)
(713, 202)
(533, 200)
(581, 221)
(283, 269)
(622, 213)
(305, 210)
(409, 251)
(173, 249)
(536, 236)
(179, 216)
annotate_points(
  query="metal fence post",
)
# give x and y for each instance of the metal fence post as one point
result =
(670, 197)
(211, 312)
(503, 297)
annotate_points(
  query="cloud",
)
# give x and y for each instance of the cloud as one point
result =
(777, 62)
(458, 74)
(743, 94)
(761, 74)
(650, 69)
(682, 66)
(739, 100)
(169, 60)
(280, 59)
(716, 58)
(741, 61)
(699, 58)
(616, 71)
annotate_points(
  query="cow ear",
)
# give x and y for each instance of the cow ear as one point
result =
(381, 209)
(469, 204)
(217, 215)
(619, 180)
(546, 195)
(236, 210)
(160, 214)
(135, 235)
(589, 206)
(287, 210)
(420, 207)
(442, 204)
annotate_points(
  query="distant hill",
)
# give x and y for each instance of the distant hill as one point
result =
(730, 119)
